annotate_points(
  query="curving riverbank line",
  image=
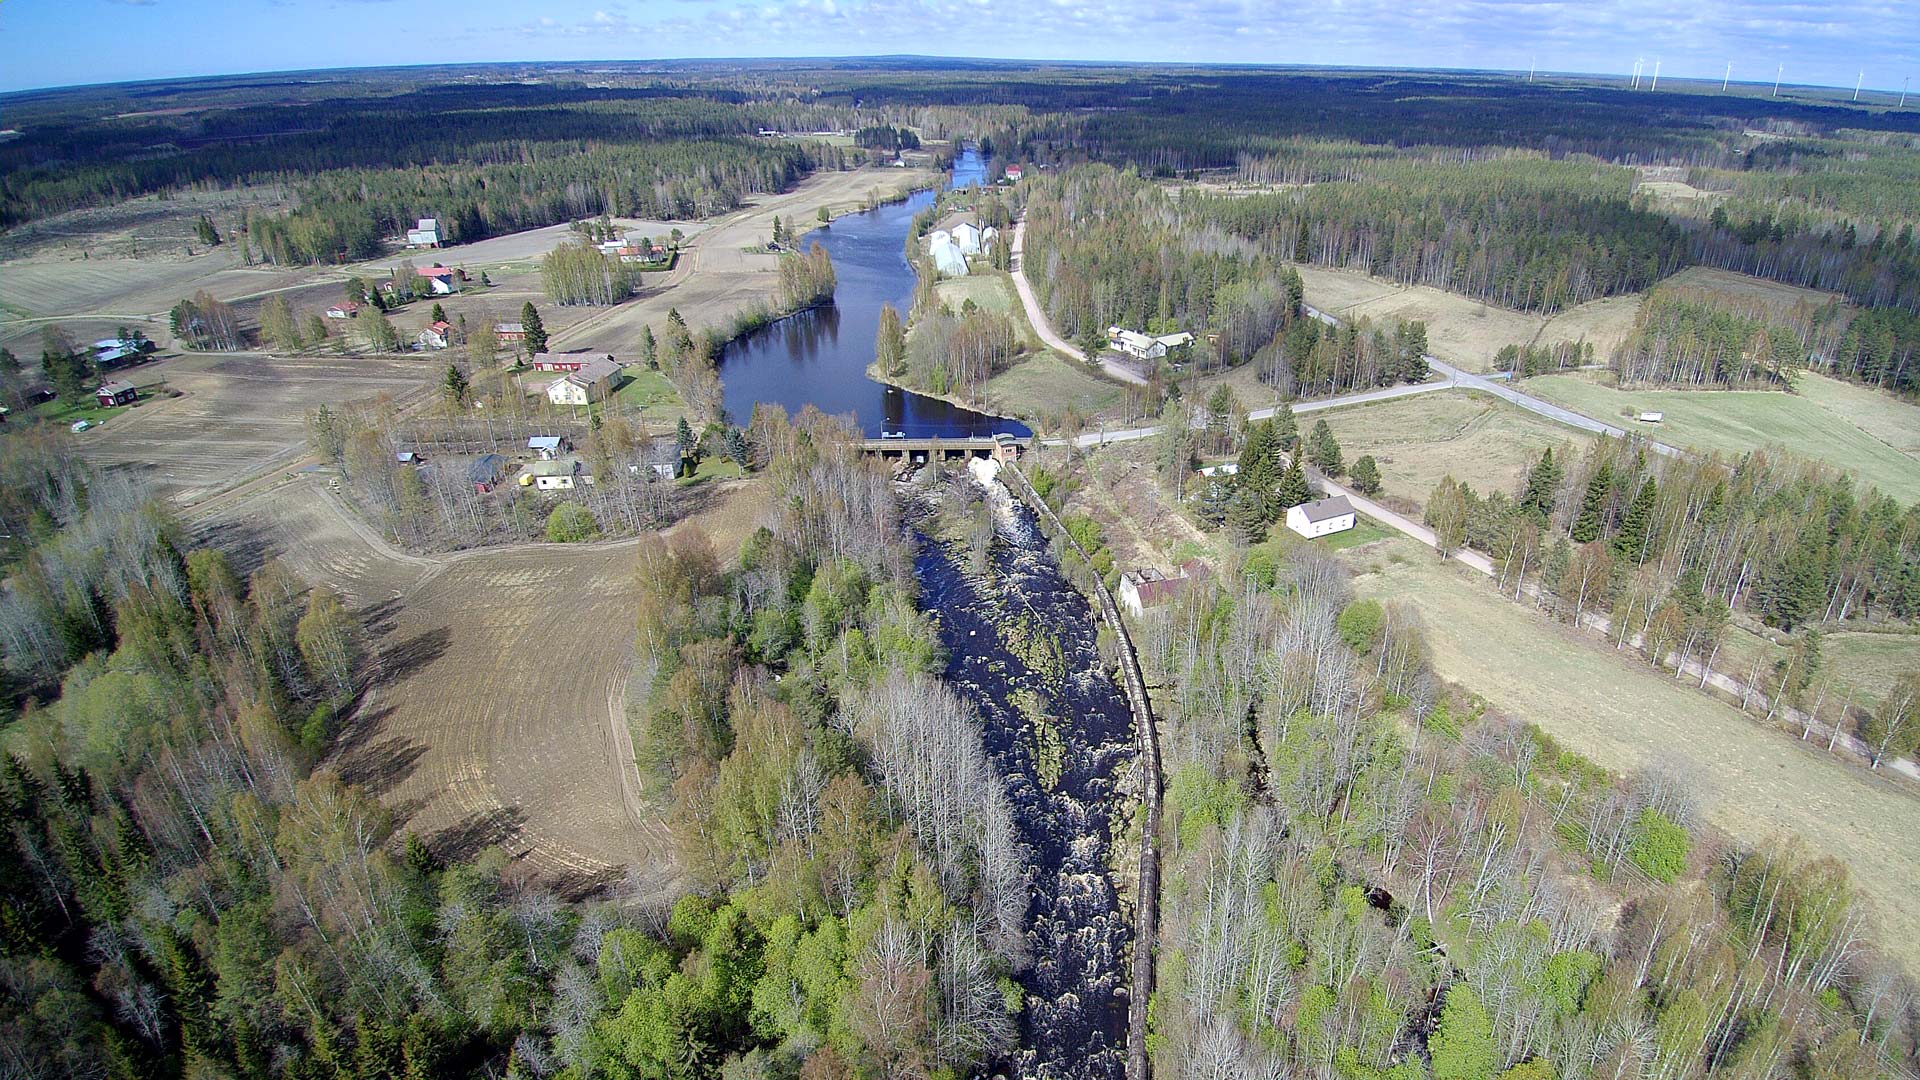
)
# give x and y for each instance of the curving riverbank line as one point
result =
(1147, 902)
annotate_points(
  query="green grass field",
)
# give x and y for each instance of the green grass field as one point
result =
(650, 392)
(1871, 435)
(990, 291)
(1756, 782)
(1044, 386)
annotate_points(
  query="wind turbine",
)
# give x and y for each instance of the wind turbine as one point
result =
(1637, 65)
(1903, 90)
(1776, 80)
(1857, 83)
(1656, 76)
(1532, 65)
(1724, 78)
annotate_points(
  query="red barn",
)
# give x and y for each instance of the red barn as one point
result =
(116, 393)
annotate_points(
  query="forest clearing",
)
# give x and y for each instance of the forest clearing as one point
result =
(1760, 783)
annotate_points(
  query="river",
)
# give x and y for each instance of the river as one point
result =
(1022, 642)
(1023, 649)
(820, 357)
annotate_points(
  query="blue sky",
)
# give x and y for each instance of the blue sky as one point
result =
(61, 42)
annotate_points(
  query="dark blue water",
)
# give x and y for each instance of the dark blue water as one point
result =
(820, 357)
(1074, 1026)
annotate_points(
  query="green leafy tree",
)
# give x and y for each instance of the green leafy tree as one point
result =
(379, 333)
(890, 347)
(536, 330)
(277, 324)
(1659, 846)
(1894, 727)
(571, 523)
(1463, 1046)
(1360, 624)
(1366, 475)
(1447, 516)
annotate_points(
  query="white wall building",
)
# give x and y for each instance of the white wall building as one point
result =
(1322, 517)
(425, 234)
(947, 256)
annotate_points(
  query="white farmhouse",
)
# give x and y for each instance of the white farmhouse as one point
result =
(1321, 517)
(592, 382)
(1146, 346)
(966, 236)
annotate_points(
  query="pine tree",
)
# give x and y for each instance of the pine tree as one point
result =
(737, 446)
(536, 330)
(1586, 527)
(1543, 487)
(1634, 540)
(1366, 475)
(439, 313)
(649, 348)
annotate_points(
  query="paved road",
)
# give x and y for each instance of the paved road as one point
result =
(1388, 393)
(1039, 318)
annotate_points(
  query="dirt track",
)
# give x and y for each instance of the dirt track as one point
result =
(496, 714)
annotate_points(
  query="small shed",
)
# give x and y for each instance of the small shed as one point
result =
(509, 333)
(547, 447)
(486, 471)
(1322, 517)
(116, 393)
(347, 310)
(1651, 417)
(561, 474)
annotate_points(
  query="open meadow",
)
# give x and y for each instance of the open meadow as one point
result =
(1462, 331)
(1757, 783)
(1867, 433)
(1417, 440)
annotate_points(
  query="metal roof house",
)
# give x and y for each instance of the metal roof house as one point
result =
(1322, 517)
(424, 234)
(547, 447)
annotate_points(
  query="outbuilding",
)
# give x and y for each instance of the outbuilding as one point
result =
(425, 234)
(486, 471)
(509, 333)
(592, 382)
(1322, 517)
(1147, 587)
(346, 310)
(562, 474)
(437, 336)
(1651, 417)
(116, 393)
(547, 447)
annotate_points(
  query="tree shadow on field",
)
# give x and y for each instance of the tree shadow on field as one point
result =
(577, 885)
(408, 657)
(378, 617)
(247, 545)
(476, 832)
(381, 766)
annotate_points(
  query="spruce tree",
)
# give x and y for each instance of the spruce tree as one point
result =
(1366, 475)
(1286, 427)
(737, 446)
(1593, 509)
(1543, 487)
(1632, 541)
(1256, 475)
(1324, 451)
(1293, 489)
(536, 331)
(456, 384)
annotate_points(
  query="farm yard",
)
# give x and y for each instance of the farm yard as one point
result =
(495, 713)
(1865, 432)
(1758, 783)
(236, 415)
